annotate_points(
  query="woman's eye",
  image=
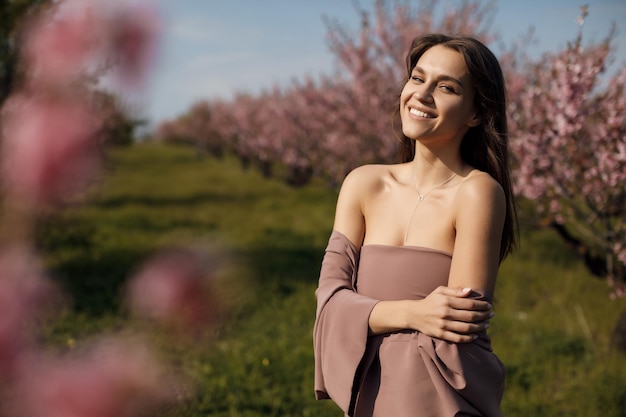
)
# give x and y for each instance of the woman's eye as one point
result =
(447, 88)
(416, 78)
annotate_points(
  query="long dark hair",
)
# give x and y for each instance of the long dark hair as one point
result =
(484, 146)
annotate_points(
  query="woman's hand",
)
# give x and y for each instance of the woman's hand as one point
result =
(446, 313)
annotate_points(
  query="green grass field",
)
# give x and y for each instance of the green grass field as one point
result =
(552, 325)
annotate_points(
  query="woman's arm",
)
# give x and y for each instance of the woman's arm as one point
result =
(480, 211)
(349, 219)
(340, 333)
(447, 313)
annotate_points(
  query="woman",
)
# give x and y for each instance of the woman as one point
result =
(405, 291)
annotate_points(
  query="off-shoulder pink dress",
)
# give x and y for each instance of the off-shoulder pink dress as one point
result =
(404, 373)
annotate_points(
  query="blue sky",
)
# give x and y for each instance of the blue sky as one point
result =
(213, 48)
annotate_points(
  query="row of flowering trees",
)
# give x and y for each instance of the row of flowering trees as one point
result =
(569, 137)
(566, 120)
(51, 127)
(327, 126)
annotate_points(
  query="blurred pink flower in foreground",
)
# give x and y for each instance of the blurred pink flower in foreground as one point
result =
(49, 129)
(91, 36)
(25, 295)
(49, 147)
(132, 34)
(176, 288)
(58, 49)
(115, 378)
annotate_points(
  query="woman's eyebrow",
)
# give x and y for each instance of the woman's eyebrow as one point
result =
(442, 77)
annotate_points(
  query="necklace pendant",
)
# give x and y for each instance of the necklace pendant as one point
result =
(421, 197)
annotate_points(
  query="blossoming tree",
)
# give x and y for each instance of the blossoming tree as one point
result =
(568, 134)
(328, 126)
(51, 125)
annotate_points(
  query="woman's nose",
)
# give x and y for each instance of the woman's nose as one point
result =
(423, 94)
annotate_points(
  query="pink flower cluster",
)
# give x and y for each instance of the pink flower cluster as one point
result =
(50, 125)
(568, 138)
(49, 148)
(51, 132)
(176, 288)
(326, 127)
(26, 297)
(91, 37)
(112, 377)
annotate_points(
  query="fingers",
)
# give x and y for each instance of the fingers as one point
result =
(464, 328)
(454, 292)
(456, 337)
(466, 316)
(462, 293)
(461, 318)
(457, 298)
(448, 314)
(455, 308)
(468, 304)
(461, 332)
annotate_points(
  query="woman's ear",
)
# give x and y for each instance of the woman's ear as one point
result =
(474, 121)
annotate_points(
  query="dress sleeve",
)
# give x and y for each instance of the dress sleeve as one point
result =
(341, 325)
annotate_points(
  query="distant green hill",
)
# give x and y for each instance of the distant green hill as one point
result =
(552, 325)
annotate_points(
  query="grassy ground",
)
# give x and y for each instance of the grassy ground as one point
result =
(552, 324)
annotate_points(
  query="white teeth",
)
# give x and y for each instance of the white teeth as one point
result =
(421, 113)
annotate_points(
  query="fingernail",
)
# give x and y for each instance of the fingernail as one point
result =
(491, 314)
(474, 337)
(489, 306)
(467, 289)
(487, 326)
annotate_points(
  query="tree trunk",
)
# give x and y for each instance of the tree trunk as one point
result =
(618, 339)
(595, 264)
(600, 268)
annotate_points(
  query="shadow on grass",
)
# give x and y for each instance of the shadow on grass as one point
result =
(283, 260)
(544, 245)
(279, 261)
(95, 284)
(90, 270)
(164, 201)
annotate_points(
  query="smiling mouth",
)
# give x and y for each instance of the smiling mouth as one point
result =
(421, 114)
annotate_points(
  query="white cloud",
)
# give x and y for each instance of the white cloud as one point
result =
(191, 30)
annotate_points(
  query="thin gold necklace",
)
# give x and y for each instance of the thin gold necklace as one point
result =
(421, 198)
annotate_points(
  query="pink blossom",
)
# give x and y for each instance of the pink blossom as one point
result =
(57, 49)
(570, 148)
(87, 37)
(328, 126)
(24, 296)
(113, 378)
(176, 288)
(49, 147)
(132, 34)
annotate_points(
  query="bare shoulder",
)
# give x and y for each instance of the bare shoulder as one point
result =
(358, 186)
(366, 179)
(480, 189)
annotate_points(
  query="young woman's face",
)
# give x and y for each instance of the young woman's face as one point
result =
(437, 102)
